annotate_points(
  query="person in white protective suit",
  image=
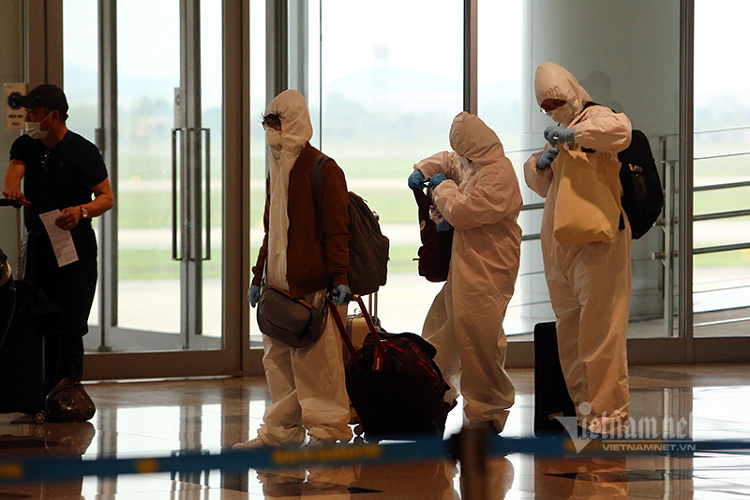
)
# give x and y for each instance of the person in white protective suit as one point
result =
(477, 192)
(306, 253)
(589, 283)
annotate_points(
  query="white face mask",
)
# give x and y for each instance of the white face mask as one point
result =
(34, 129)
(274, 138)
(564, 114)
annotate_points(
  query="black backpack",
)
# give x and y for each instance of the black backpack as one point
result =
(643, 195)
(368, 247)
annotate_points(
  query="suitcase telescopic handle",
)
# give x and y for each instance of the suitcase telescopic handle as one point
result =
(5, 202)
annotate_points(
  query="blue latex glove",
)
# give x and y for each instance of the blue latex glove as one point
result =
(342, 296)
(436, 179)
(253, 295)
(416, 179)
(443, 226)
(553, 135)
(546, 158)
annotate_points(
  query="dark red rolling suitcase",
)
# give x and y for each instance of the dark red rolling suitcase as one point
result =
(394, 385)
(551, 398)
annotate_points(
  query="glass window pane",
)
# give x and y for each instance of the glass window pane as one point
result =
(501, 92)
(148, 278)
(721, 278)
(81, 65)
(389, 90)
(257, 142)
(81, 73)
(212, 93)
(513, 38)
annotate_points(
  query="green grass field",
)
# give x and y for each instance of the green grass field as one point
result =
(388, 196)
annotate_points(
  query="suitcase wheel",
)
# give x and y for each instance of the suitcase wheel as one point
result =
(40, 417)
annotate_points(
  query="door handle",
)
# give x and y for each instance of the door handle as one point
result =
(207, 132)
(175, 198)
(175, 179)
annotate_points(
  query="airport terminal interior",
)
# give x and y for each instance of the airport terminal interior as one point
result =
(173, 92)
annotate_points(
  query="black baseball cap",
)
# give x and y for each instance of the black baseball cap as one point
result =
(45, 95)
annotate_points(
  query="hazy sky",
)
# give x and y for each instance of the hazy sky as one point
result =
(399, 29)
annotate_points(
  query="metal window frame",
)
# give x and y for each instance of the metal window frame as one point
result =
(685, 176)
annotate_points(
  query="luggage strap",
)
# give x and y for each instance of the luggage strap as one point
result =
(380, 360)
(342, 331)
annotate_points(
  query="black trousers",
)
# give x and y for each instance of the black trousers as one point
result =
(71, 288)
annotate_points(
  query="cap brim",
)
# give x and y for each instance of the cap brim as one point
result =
(27, 102)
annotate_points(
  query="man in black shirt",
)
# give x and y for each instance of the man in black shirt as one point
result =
(61, 170)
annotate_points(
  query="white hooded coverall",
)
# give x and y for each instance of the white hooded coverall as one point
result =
(465, 323)
(307, 385)
(589, 283)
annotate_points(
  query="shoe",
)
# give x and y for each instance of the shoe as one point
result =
(253, 444)
(316, 442)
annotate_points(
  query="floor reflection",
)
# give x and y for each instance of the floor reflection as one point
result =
(170, 418)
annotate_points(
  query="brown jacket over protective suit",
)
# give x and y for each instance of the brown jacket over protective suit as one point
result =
(318, 246)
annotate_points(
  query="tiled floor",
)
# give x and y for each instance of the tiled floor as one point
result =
(137, 419)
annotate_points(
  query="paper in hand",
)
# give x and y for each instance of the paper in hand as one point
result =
(62, 241)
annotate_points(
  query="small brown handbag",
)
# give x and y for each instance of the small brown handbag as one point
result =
(290, 320)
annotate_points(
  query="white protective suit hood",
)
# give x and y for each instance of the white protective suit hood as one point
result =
(552, 81)
(296, 128)
(471, 138)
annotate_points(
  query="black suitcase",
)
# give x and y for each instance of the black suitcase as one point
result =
(7, 289)
(393, 383)
(23, 385)
(7, 299)
(551, 397)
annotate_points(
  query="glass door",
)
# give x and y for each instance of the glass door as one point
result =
(164, 211)
(151, 140)
(161, 86)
